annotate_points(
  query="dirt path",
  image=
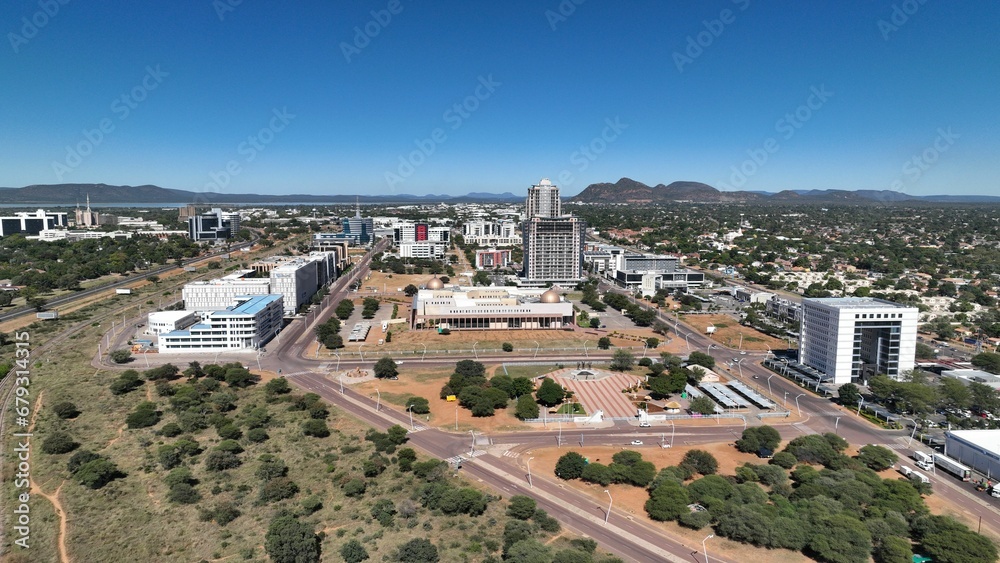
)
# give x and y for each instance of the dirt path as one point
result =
(116, 438)
(54, 497)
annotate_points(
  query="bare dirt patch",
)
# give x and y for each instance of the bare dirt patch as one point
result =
(728, 331)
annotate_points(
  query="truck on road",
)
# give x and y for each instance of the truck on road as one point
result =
(923, 478)
(953, 467)
(924, 461)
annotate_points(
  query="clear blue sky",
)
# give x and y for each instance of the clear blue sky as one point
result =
(556, 83)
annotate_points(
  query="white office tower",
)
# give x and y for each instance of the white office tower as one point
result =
(851, 339)
(543, 200)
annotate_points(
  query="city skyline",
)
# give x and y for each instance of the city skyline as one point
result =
(390, 98)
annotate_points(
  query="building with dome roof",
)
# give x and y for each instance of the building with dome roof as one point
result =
(488, 308)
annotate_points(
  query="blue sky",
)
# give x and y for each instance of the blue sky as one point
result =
(287, 97)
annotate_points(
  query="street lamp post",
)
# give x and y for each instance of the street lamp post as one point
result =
(424, 357)
(687, 341)
(409, 409)
(835, 425)
(672, 429)
(705, 547)
(473, 449)
(456, 417)
(378, 402)
(585, 354)
(338, 360)
(797, 403)
(341, 378)
(769, 384)
(784, 400)
(744, 423)
(536, 350)
(528, 462)
(861, 402)
(914, 430)
(476, 354)
(360, 352)
(607, 514)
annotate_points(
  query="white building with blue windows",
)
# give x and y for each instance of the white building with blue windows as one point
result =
(251, 322)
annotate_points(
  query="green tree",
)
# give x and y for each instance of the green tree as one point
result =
(959, 545)
(418, 550)
(756, 438)
(877, 458)
(96, 473)
(849, 395)
(410, 290)
(344, 309)
(290, 541)
(702, 405)
(570, 466)
(58, 443)
(700, 461)
(844, 540)
(121, 356)
(603, 343)
(521, 507)
(353, 552)
(528, 551)
(893, 549)
(526, 408)
(622, 360)
(386, 368)
(66, 410)
(667, 501)
(278, 386)
(988, 361)
(508, 347)
(315, 428)
(954, 394)
(701, 359)
(550, 393)
(418, 405)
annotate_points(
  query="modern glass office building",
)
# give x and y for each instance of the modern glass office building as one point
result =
(851, 339)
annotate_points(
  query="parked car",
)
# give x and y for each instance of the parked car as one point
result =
(636, 442)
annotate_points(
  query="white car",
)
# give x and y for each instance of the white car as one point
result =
(636, 442)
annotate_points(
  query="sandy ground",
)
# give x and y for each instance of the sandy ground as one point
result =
(427, 383)
(730, 333)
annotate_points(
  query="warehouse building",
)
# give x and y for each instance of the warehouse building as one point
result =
(978, 449)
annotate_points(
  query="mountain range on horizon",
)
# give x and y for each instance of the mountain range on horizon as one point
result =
(624, 190)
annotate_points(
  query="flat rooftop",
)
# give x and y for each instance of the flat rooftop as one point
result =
(988, 440)
(856, 303)
(253, 304)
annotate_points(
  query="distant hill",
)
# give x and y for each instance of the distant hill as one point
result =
(71, 194)
(628, 190)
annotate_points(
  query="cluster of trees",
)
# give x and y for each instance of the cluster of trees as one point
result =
(328, 333)
(641, 316)
(344, 309)
(370, 306)
(626, 467)
(916, 393)
(46, 266)
(843, 512)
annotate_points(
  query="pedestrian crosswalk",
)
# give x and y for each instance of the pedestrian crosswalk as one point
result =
(893, 446)
(511, 453)
(465, 457)
(417, 428)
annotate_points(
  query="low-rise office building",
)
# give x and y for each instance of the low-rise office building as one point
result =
(214, 295)
(162, 322)
(488, 308)
(248, 324)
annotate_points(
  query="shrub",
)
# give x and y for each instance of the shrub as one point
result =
(59, 443)
(170, 430)
(121, 356)
(521, 507)
(355, 487)
(418, 405)
(183, 493)
(218, 460)
(278, 386)
(257, 435)
(277, 489)
(144, 415)
(570, 466)
(97, 473)
(291, 541)
(315, 428)
(700, 461)
(508, 347)
(66, 410)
